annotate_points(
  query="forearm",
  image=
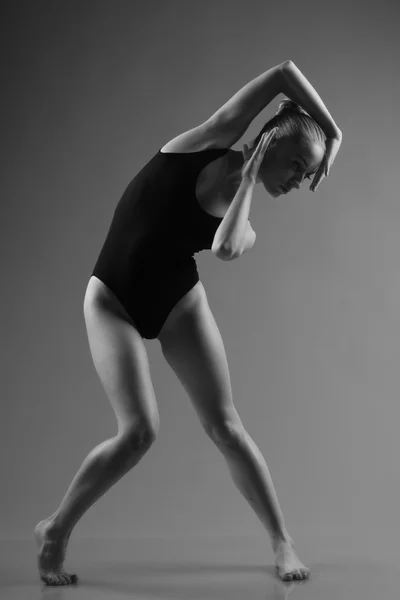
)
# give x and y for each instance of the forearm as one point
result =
(231, 233)
(299, 89)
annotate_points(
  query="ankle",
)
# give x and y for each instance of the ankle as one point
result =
(281, 538)
(55, 529)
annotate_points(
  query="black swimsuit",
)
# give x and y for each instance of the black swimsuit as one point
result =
(147, 257)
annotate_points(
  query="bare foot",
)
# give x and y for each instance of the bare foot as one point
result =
(51, 555)
(287, 564)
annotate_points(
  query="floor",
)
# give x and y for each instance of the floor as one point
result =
(209, 568)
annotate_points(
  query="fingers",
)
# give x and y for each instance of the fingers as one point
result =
(319, 176)
(332, 148)
(315, 183)
(265, 140)
(267, 137)
(321, 173)
(254, 158)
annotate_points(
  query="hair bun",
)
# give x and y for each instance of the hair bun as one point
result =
(287, 105)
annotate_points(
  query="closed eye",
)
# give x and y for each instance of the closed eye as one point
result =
(310, 175)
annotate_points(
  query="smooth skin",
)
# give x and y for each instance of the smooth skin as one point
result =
(192, 345)
(285, 164)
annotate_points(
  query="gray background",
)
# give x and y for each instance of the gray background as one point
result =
(309, 317)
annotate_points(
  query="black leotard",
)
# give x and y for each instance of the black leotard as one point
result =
(147, 257)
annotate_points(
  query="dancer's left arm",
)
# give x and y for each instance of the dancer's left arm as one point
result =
(235, 116)
(297, 88)
(244, 106)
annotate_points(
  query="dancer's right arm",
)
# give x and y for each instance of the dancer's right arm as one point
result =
(231, 238)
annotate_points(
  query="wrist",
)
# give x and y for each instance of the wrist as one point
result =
(248, 181)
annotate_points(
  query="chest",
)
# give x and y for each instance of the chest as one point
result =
(213, 193)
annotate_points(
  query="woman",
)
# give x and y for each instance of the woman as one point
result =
(195, 193)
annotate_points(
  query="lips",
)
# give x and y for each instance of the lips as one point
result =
(285, 190)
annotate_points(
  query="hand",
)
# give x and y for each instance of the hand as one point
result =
(332, 148)
(253, 159)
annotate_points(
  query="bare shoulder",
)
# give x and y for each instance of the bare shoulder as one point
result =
(211, 134)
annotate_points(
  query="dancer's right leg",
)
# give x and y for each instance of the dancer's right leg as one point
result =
(120, 359)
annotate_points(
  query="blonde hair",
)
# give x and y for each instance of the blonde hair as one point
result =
(293, 122)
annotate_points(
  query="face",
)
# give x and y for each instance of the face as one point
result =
(287, 164)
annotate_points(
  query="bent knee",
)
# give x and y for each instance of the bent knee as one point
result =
(227, 433)
(140, 436)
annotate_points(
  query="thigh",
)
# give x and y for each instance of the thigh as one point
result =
(120, 359)
(193, 347)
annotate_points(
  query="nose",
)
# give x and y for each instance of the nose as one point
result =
(295, 183)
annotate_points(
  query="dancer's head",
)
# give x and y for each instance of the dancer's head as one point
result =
(295, 151)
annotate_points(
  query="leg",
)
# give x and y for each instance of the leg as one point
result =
(193, 347)
(120, 360)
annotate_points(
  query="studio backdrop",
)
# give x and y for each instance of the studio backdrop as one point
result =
(309, 317)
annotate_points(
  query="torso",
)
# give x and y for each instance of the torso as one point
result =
(212, 193)
(213, 197)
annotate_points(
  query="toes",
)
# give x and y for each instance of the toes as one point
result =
(50, 579)
(56, 579)
(282, 575)
(299, 575)
(65, 579)
(294, 575)
(305, 572)
(302, 573)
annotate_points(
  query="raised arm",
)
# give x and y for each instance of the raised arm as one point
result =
(299, 89)
(240, 110)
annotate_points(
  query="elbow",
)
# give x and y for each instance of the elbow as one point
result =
(223, 253)
(287, 66)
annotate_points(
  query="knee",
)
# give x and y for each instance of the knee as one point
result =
(139, 437)
(227, 433)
